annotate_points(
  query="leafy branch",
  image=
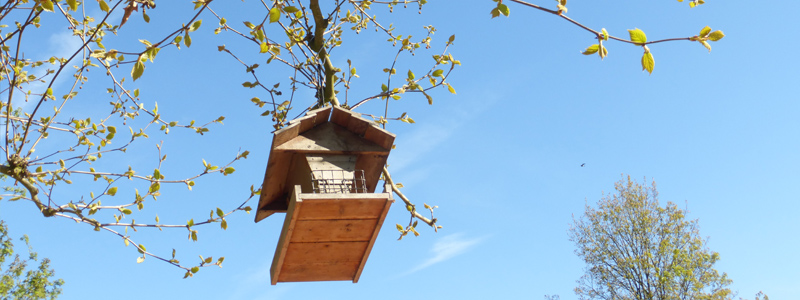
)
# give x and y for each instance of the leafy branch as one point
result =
(637, 36)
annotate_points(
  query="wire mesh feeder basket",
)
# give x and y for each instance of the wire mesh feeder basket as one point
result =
(338, 182)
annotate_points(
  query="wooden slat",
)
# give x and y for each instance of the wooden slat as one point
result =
(379, 136)
(333, 230)
(340, 117)
(374, 234)
(358, 125)
(319, 272)
(317, 253)
(286, 235)
(321, 209)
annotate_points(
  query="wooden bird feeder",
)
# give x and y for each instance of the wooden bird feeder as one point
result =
(322, 172)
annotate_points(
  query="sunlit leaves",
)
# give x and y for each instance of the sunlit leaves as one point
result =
(562, 6)
(591, 49)
(694, 3)
(274, 14)
(138, 70)
(195, 25)
(103, 5)
(73, 5)
(637, 36)
(47, 5)
(706, 35)
(648, 63)
(500, 9)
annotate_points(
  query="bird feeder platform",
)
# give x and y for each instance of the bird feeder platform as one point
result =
(322, 172)
(328, 237)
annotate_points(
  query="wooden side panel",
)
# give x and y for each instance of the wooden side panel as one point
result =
(372, 165)
(274, 186)
(379, 223)
(333, 230)
(342, 209)
(319, 272)
(286, 235)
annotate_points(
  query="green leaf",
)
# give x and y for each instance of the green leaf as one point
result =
(195, 25)
(410, 75)
(591, 50)
(450, 89)
(229, 170)
(290, 9)
(716, 36)
(103, 5)
(112, 191)
(195, 269)
(73, 5)
(438, 73)
(126, 211)
(704, 32)
(503, 9)
(47, 5)
(187, 40)
(220, 212)
(495, 12)
(274, 14)
(605, 34)
(648, 63)
(399, 227)
(264, 47)
(224, 225)
(154, 187)
(637, 36)
(138, 70)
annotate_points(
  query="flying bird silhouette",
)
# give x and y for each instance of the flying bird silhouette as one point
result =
(583, 164)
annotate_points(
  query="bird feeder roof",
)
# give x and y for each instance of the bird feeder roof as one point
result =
(328, 130)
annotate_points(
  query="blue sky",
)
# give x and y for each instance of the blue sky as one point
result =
(717, 132)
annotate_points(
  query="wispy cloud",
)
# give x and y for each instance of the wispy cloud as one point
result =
(446, 248)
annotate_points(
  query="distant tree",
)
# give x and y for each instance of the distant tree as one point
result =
(19, 283)
(636, 249)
